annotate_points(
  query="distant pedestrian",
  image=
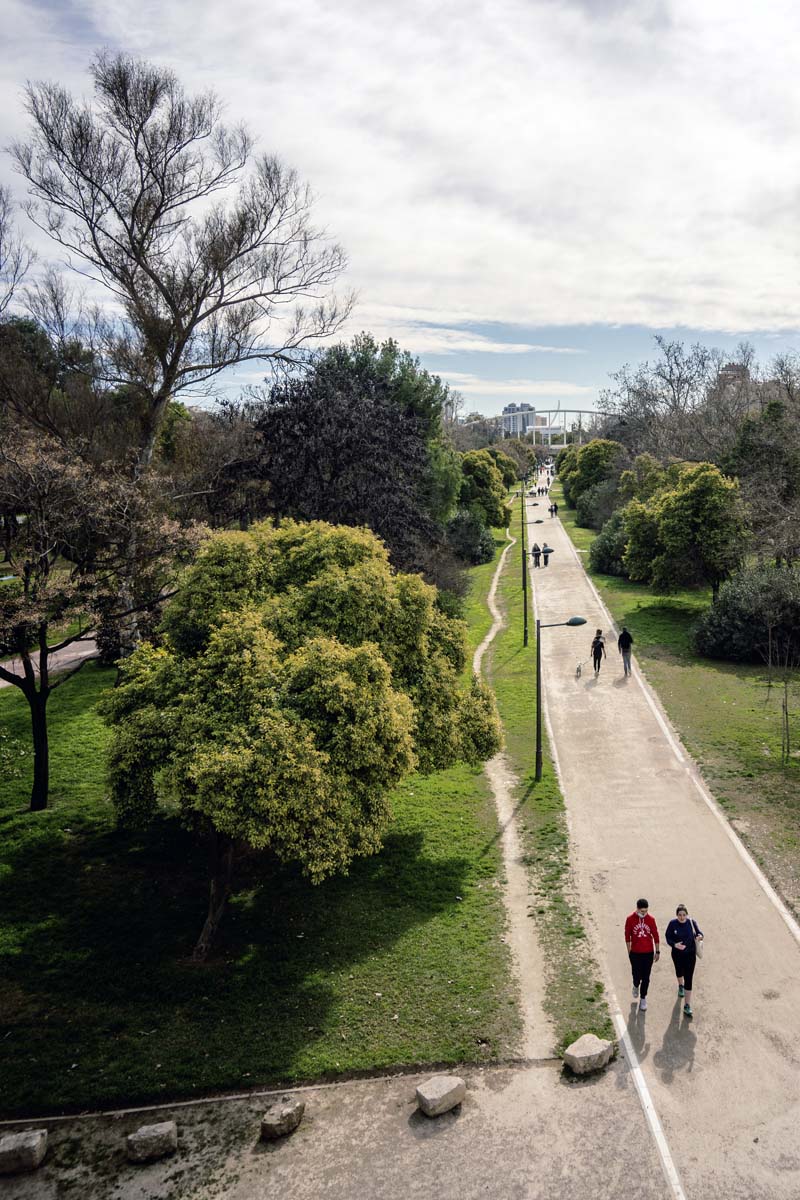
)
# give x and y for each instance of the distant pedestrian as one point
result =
(643, 943)
(546, 552)
(536, 553)
(624, 643)
(598, 650)
(555, 509)
(683, 934)
(551, 510)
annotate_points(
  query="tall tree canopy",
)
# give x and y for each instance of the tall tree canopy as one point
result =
(199, 244)
(299, 679)
(358, 440)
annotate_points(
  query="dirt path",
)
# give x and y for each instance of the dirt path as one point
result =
(727, 1084)
(538, 1037)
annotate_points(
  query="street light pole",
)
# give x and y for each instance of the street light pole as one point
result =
(539, 627)
(524, 565)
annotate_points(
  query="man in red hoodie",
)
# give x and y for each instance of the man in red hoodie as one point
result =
(641, 938)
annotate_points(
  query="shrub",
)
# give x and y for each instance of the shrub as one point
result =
(756, 616)
(608, 548)
(469, 538)
(596, 505)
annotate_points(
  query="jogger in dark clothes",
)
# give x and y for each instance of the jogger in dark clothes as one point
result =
(642, 940)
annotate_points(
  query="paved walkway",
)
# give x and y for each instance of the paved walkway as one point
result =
(727, 1085)
(70, 656)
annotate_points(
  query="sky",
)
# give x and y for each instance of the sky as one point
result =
(527, 190)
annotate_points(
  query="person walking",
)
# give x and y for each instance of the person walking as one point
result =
(598, 650)
(536, 553)
(644, 948)
(624, 643)
(555, 509)
(546, 552)
(683, 934)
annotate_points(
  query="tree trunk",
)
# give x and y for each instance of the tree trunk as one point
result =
(221, 871)
(41, 751)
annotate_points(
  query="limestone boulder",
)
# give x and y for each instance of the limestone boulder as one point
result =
(151, 1142)
(22, 1151)
(589, 1053)
(282, 1118)
(440, 1093)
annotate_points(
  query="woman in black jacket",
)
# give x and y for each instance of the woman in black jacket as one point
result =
(683, 934)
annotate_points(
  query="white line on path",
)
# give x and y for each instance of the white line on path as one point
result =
(642, 1090)
(745, 855)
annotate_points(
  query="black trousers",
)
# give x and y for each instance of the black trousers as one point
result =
(641, 966)
(684, 961)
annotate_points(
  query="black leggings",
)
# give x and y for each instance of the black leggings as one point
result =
(684, 961)
(598, 658)
(641, 966)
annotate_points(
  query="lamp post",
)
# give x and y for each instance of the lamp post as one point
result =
(524, 563)
(539, 628)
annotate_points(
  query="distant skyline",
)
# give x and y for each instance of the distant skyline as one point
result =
(527, 191)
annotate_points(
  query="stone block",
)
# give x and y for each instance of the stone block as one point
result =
(440, 1093)
(151, 1142)
(22, 1151)
(589, 1053)
(282, 1118)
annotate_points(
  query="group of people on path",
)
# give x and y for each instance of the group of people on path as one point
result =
(598, 650)
(685, 938)
(541, 554)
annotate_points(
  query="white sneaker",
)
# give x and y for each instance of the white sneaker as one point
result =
(642, 1005)
(635, 993)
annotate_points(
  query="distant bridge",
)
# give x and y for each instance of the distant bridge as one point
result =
(552, 430)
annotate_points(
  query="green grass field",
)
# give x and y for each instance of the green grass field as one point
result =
(402, 962)
(574, 993)
(727, 714)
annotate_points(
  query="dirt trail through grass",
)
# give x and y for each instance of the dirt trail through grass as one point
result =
(538, 1036)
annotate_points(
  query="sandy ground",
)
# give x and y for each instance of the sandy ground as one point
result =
(522, 1133)
(726, 1085)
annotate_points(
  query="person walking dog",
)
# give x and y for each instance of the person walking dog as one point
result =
(598, 650)
(644, 948)
(684, 935)
(624, 643)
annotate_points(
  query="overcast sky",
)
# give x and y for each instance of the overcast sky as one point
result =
(526, 190)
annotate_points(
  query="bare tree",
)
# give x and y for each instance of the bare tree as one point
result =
(15, 257)
(206, 253)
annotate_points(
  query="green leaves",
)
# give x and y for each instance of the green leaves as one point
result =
(300, 680)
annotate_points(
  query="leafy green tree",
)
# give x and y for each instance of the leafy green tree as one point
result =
(595, 463)
(358, 441)
(607, 551)
(507, 466)
(299, 680)
(643, 479)
(689, 535)
(469, 538)
(482, 489)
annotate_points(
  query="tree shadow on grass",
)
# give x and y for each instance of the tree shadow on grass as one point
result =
(101, 1004)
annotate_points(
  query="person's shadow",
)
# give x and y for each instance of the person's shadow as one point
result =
(677, 1048)
(637, 1031)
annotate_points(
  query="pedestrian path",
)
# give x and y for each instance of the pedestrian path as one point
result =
(726, 1085)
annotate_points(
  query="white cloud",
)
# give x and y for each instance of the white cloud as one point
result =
(528, 162)
(542, 393)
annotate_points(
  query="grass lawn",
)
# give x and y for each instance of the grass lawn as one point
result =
(574, 993)
(727, 714)
(400, 963)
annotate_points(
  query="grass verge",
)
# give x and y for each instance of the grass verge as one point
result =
(574, 996)
(400, 963)
(727, 715)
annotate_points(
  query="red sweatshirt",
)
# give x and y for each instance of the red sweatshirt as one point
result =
(641, 932)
